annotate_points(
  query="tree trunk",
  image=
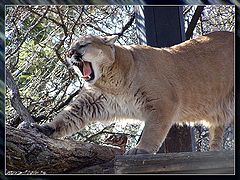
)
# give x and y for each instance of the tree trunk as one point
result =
(28, 151)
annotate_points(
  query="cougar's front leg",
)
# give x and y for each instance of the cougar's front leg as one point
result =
(154, 133)
(87, 107)
(152, 137)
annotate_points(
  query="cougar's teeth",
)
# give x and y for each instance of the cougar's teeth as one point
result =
(87, 77)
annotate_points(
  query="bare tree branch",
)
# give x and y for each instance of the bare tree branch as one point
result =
(193, 22)
(28, 150)
(124, 28)
(26, 35)
(53, 20)
(16, 101)
(68, 100)
(129, 23)
(75, 23)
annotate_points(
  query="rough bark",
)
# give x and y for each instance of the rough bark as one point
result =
(28, 151)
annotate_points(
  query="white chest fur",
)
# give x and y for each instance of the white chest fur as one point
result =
(125, 107)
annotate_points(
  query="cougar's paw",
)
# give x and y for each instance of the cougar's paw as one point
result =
(215, 147)
(45, 129)
(24, 125)
(135, 151)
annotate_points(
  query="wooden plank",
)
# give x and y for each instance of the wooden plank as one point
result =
(221, 162)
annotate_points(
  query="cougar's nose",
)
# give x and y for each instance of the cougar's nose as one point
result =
(75, 54)
(71, 52)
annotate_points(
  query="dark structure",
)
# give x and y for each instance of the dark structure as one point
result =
(164, 25)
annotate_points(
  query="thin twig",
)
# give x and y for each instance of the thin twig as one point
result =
(124, 28)
(53, 20)
(68, 100)
(74, 25)
(129, 23)
(103, 131)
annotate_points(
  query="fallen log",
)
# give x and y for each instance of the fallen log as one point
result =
(29, 151)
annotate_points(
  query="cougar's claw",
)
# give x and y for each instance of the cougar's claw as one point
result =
(45, 129)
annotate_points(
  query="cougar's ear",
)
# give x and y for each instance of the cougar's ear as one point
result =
(110, 40)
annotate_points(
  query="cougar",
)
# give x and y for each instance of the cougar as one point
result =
(189, 82)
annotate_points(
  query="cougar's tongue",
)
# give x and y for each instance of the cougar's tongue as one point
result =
(87, 70)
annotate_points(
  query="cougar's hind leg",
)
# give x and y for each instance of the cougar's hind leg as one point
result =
(216, 137)
(222, 117)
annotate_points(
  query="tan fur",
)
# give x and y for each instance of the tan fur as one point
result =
(189, 82)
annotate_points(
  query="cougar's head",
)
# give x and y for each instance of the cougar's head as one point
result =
(89, 54)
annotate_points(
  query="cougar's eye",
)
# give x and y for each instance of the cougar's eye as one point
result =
(83, 45)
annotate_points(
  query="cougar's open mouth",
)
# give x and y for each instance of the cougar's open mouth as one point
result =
(86, 69)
